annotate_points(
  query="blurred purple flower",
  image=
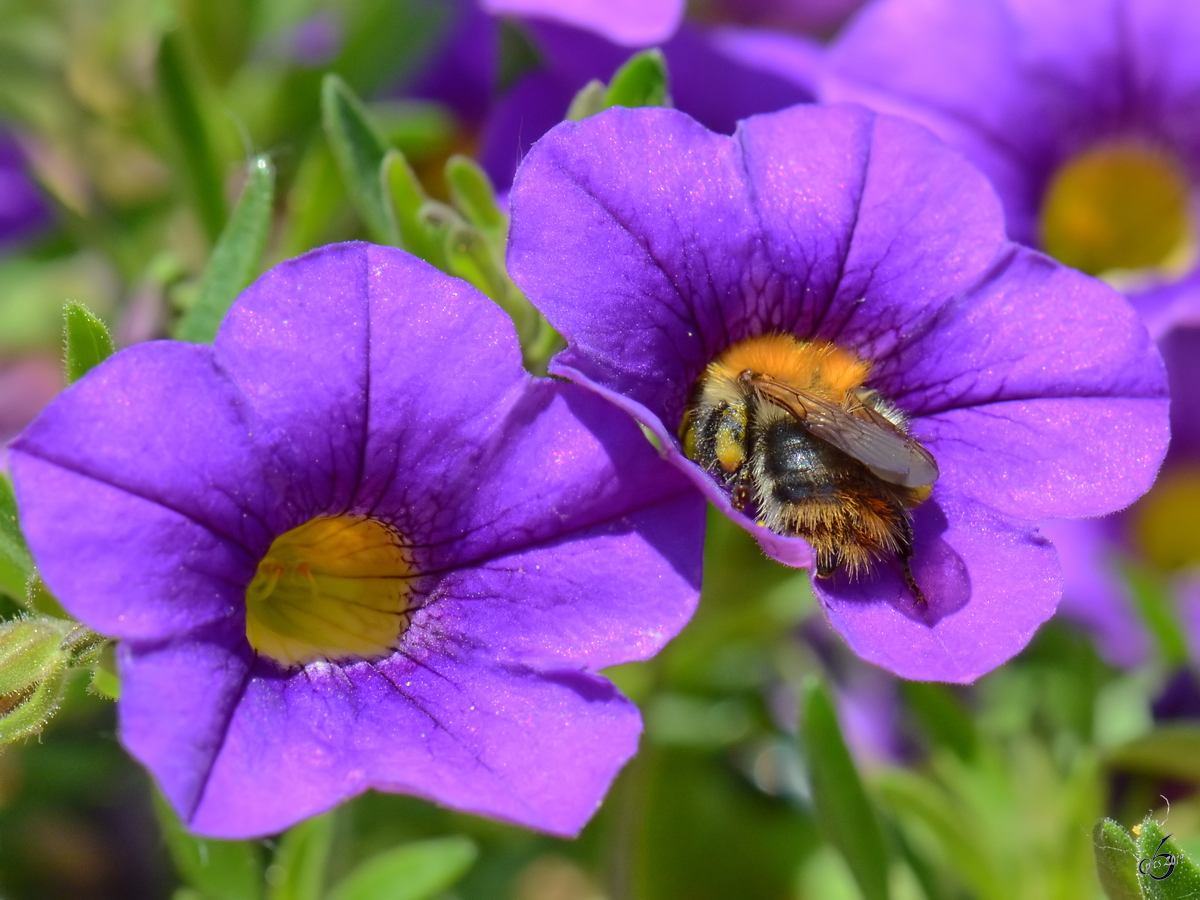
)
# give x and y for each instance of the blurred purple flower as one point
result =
(361, 461)
(633, 23)
(26, 385)
(1085, 114)
(815, 17)
(717, 76)
(315, 41)
(653, 245)
(24, 212)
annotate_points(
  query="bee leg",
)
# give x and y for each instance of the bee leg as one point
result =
(905, 555)
(739, 496)
(911, 581)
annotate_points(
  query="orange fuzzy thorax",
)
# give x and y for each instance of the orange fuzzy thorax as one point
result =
(816, 367)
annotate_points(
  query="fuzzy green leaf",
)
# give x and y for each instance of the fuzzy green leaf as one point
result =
(359, 149)
(30, 652)
(86, 340)
(1116, 861)
(590, 100)
(843, 811)
(39, 600)
(473, 194)
(417, 871)
(641, 81)
(406, 199)
(235, 258)
(1165, 873)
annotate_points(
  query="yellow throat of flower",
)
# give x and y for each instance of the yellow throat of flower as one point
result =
(335, 588)
(1120, 207)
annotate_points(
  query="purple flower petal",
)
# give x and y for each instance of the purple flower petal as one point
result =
(452, 726)
(119, 462)
(991, 581)
(634, 23)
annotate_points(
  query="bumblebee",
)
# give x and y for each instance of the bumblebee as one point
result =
(788, 428)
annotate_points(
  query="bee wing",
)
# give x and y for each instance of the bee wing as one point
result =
(874, 441)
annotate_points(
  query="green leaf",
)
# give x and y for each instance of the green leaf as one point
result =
(1116, 861)
(86, 340)
(420, 129)
(843, 810)
(386, 40)
(1171, 751)
(235, 257)
(1153, 599)
(1164, 872)
(407, 199)
(915, 799)
(301, 860)
(220, 870)
(942, 715)
(105, 681)
(642, 81)
(183, 113)
(222, 33)
(472, 259)
(416, 871)
(590, 100)
(473, 194)
(38, 599)
(696, 831)
(518, 54)
(106, 684)
(16, 565)
(359, 150)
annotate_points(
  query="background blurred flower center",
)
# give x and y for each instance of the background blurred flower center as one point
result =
(334, 588)
(1119, 207)
(1167, 520)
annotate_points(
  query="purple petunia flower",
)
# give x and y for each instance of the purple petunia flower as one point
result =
(24, 212)
(354, 545)
(1085, 114)
(654, 246)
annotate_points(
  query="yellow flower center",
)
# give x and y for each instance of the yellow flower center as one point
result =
(1119, 207)
(335, 588)
(1166, 522)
